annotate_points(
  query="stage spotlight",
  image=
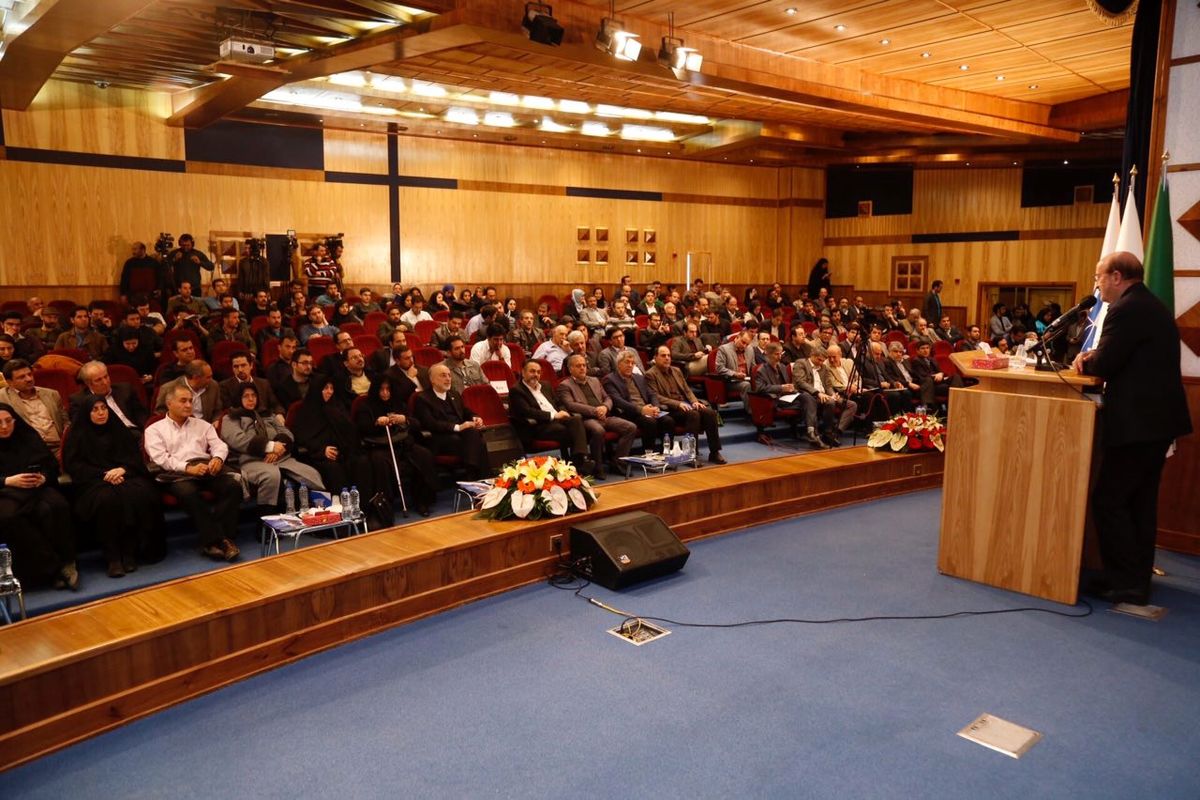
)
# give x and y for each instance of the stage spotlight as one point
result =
(541, 25)
(674, 56)
(614, 39)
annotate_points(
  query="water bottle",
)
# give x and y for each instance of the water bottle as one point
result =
(666, 444)
(345, 498)
(8, 582)
(355, 510)
(922, 410)
(289, 495)
(303, 498)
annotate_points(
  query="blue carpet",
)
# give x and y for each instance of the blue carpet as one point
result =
(526, 695)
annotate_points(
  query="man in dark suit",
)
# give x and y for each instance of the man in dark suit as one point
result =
(682, 404)
(537, 414)
(1145, 409)
(898, 371)
(454, 429)
(121, 399)
(408, 376)
(384, 358)
(584, 395)
(932, 311)
(637, 402)
(293, 386)
(243, 373)
(935, 384)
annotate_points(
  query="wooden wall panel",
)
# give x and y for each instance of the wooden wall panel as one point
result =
(967, 199)
(1062, 218)
(84, 119)
(479, 236)
(347, 151)
(64, 225)
(509, 164)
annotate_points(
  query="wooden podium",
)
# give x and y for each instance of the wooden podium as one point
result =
(1015, 491)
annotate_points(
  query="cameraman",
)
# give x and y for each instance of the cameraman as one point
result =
(186, 262)
(253, 273)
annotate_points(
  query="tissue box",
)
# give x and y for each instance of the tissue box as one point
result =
(321, 518)
(995, 362)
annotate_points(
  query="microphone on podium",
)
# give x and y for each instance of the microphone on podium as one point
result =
(1065, 320)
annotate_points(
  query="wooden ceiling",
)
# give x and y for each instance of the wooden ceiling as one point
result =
(783, 80)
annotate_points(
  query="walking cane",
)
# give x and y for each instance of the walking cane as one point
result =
(396, 467)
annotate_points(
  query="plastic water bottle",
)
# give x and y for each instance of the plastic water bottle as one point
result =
(666, 444)
(8, 582)
(289, 495)
(345, 498)
(922, 410)
(303, 498)
(355, 510)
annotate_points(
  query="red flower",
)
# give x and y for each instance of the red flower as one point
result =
(914, 443)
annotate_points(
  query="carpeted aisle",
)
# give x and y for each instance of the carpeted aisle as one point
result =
(526, 695)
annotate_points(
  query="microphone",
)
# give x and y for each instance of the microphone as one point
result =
(1065, 320)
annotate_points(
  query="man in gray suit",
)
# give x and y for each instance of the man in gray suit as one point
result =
(206, 397)
(463, 371)
(811, 377)
(584, 395)
(734, 362)
(682, 404)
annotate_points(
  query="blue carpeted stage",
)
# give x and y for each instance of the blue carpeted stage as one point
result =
(526, 695)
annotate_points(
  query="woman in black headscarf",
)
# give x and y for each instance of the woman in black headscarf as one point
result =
(35, 520)
(328, 440)
(384, 413)
(116, 497)
(819, 278)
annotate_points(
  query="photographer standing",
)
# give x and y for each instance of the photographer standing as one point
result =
(186, 262)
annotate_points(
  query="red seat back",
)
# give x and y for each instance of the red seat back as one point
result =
(258, 323)
(424, 331)
(268, 354)
(499, 371)
(485, 401)
(222, 357)
(355, 329)
(123, 373)
(61, 381)
(428, 356)
(320, 346)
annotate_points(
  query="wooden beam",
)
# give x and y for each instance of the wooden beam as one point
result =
(1092, 113)
(32, 57)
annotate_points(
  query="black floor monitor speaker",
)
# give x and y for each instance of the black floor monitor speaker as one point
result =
(625, 549)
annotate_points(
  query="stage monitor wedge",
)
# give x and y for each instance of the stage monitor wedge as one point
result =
(625, 549)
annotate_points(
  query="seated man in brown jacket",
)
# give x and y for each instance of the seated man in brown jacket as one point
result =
(584, 395)
(683, 406)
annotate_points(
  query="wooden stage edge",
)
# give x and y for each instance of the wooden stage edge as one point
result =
(78, 672)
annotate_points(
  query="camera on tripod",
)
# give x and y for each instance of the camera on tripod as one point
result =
(164, 244)
(256, 247)
(332, 243)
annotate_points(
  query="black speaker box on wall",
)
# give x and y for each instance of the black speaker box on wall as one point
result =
(625, 549)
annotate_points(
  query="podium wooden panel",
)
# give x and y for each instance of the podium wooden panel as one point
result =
(1014, 498)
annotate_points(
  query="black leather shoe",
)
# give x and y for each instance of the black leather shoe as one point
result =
(1134, 597)
(717, 458)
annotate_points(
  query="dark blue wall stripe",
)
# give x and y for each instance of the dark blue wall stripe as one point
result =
(977, 236)
(357, 177)
(393, 151)
(422, 183)
(94, 160)
(229, 142)
(613, 194)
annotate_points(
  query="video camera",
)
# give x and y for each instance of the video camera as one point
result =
(332, 243)
(256, 247)
(164, 244)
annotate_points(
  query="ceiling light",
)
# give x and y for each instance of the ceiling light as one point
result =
(885, 41)
(647, 133)
(1065, 162)
(594, 129)
(383, 111)
(574, 107)
(499, 119)
(999, 77)
(348, 79)
(462, 116)
(427, 89)
(687, 119)
(791, 12)
(604, 110)
(839, 28)
(615, 40)
(504, 98)
(674, 56)
(534, 101)
(925, 54)
(388, 83)
(541, 26)
(964, 67)
(550, 126)
(311, 98)
(1033, 86)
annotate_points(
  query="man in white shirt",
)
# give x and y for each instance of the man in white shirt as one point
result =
(192, 457)
(554, 349)
(537, 414)
(415, 314)
(493, 347)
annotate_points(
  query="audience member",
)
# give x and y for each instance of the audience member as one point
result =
(35, 518)
(382, 422)
(493, 347)
(25, 347)
(682, 404)
(185, 353)
(637, 402)
(607, 358)
(583, 394)
(935, 384)
(243, 374)
(899, 372)
(123, 404)
(316, 325)
(39, 407)
(536, 414)
(453, 427)
(293, 387)
(186, 262)
(554, 350)
(464, 372)
(384, 358)
(114, 495)
(204, 399)
(82, 336)
(733, 364)
(191, 457)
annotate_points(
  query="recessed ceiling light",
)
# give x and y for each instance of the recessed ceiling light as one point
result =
(839, 28)
(885, 41)
(791, 12)
(968, 163)
(999, 77)
(1065, 162)
(925, 54)
(964, 67)
(1033, 86)
(1014, 163)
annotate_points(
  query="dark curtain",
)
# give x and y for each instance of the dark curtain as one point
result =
(1142, 63)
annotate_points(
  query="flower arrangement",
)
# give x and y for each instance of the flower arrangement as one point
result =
(909, 433)
(532, 488)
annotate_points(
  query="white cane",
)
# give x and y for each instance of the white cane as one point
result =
(396, 467)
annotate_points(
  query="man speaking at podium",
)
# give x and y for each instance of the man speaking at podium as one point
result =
(1145, 409)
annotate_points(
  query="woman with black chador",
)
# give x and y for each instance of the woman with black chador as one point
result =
(819, 277)
(327, 439)
(383, 414)
(116, 497)
(35, 520)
